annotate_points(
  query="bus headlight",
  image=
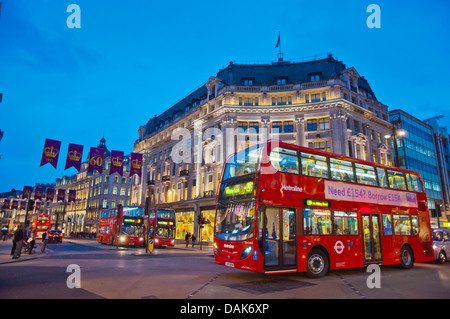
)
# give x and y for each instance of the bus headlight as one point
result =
(122, 238)
(246, 251)
(216, 249)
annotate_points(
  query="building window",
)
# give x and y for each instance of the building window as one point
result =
(281, 100)
(282, 80)
(321, 145)
(315, 76)
(324, 124)
(254, 127)
(248, 81)
(276, 127)
(315, 97)
(288, 126)
(242, 127)
(311, 125)
(248, 101)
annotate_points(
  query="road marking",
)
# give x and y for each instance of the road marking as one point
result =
(204, 286)
(359, 293)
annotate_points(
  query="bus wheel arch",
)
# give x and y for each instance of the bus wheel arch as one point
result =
(317, 262)
(406, 256)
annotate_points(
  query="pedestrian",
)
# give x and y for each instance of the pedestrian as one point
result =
(44, 241)
(18, 240)
(4, 233)
(32, 240)
(193, 240)
(186, 238)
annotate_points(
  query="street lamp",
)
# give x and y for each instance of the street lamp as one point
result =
(396, 121)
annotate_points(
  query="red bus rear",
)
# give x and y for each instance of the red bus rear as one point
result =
(42, 224)
(285, 208)
(160, 227)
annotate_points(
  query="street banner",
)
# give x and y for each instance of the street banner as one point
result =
(74, 154)
(38, 193)
(26, 192)
(96, 159)
(116, 163)
(51, 152)
(136, 164)
(72, 195)
(61, 195)
(50, 194)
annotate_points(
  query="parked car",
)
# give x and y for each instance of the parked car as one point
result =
(55, 236)
(441, 244)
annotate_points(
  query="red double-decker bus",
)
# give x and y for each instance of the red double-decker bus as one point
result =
(122, 225)
(160, 227)
(285, 208)
(41, 224)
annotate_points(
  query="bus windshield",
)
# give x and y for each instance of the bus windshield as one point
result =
(132, 226)
(242, 163)
(165, 220)
(235, 221)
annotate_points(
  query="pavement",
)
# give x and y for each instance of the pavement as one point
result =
(6, 258)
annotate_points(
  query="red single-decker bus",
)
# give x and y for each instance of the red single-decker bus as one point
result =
(286, 208)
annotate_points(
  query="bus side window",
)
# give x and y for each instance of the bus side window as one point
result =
(314, 165)
(387, 224)
(341, 170)
(415, 225)
(402, 225)
(414, 183)
(365, 175)
(284, 160)
(396, 180)
(382, 180)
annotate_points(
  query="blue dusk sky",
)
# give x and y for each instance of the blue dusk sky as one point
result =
(133, 59)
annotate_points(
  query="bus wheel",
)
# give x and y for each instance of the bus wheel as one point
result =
(442, 257)
(317, 264)
(406, 258)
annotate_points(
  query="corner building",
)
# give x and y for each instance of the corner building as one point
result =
(318, 103)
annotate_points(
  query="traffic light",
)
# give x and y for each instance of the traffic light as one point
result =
(199, 219)
(203, 221)
(30, 205)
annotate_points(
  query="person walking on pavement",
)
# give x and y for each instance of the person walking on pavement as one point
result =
(44, 241)
(193, 240)
(32, 241)
(186, 238)
(18, 239)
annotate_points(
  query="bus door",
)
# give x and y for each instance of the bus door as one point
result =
(371, 238)
(279, 244)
